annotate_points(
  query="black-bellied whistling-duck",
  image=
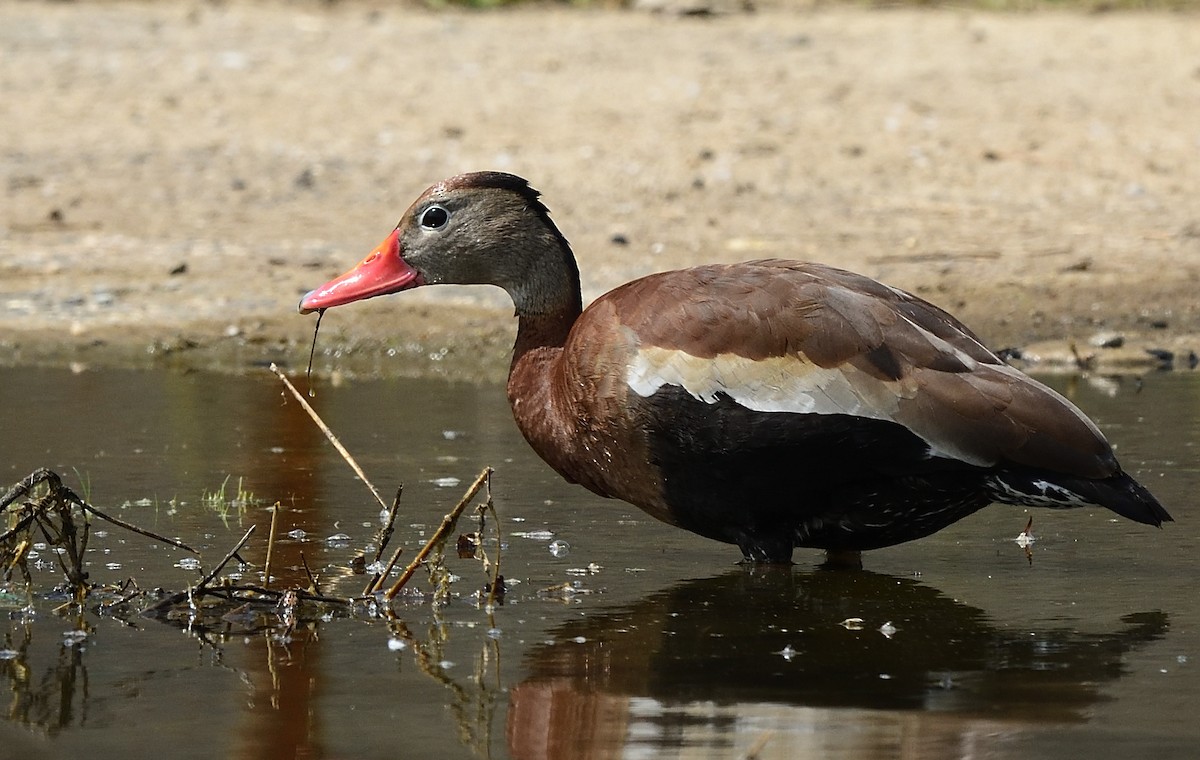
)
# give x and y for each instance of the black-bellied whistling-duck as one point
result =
(770, 404)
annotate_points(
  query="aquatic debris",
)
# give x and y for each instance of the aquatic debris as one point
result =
(431, 554)
(1026, 537)
(565, 592)
(1025, 540)
(40, 502)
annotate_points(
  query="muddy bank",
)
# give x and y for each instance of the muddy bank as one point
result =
(175, 175)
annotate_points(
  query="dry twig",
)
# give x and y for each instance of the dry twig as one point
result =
(439, 536)
(329, 434)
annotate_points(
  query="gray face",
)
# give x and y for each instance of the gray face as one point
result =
(486, 235)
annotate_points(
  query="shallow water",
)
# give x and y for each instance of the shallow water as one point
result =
(1089, 647)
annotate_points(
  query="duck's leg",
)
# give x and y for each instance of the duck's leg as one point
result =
(759, 549)
(842, 559)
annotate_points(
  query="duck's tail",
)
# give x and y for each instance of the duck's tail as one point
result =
(1120, 493)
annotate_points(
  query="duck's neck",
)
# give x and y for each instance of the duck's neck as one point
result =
(546, 296)
(547, 305)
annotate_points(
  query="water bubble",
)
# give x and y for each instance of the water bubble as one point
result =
(536, 535)
(188, 563)
(297, 534)
(788, 653)
(113, 565)
(9, 654)
(448, 482)
(396, 645)
(337, 539)
(560, 548)
(74, 638)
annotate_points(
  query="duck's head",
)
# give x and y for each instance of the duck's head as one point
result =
(473, 229)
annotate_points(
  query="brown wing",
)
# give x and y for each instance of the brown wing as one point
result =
(788, 336)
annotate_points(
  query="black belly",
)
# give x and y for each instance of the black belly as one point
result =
(770, 481)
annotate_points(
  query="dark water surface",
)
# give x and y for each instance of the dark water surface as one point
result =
(666, 649)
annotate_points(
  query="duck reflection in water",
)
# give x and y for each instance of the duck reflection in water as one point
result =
(721, 664)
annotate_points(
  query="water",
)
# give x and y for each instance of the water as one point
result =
(641, 641)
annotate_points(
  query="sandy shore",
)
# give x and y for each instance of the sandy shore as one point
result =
(176, 174)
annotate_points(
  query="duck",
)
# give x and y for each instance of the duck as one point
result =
(769, 404)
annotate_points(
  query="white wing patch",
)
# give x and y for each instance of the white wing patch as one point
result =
(786, 384)
(776, 384)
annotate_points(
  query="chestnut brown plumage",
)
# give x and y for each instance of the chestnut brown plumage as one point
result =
(770, 404)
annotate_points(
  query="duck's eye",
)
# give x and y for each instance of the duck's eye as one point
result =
(434, 217)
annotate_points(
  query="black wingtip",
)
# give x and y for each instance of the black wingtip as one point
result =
(1128, 498)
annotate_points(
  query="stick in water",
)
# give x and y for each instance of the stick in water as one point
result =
(329, 434)
(448, 523)
(271, 545)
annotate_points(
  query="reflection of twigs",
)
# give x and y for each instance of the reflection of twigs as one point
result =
(439, 536)
(329, 434)
(473, 708)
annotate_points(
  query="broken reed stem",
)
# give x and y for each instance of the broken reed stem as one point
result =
(271, 544)
(382, 538)
(439, 536)
(20, 526)
(377, 581)
(329, 434)
(232, 552)
(491, 507)
(312, 579)
(129, 526)
(491, 598)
